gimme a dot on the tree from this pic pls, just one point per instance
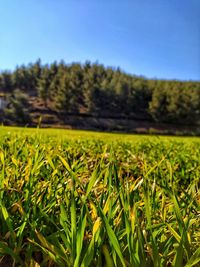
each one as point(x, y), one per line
point(43, 85)
point(6, 84)
point(17, 108)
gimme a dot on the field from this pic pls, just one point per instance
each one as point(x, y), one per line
point(75, 198)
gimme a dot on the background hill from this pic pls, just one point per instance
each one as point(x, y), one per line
point(92, 96)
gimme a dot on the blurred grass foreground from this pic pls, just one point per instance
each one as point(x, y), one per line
point(77, 198)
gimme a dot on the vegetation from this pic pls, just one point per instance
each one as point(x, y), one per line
point(103, 200)
point(17, 109)
point(99, 91)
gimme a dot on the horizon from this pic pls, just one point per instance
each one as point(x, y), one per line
point(159, 40)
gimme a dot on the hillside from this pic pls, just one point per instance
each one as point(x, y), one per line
point(91, 96)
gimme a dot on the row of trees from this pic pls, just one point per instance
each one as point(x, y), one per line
point(94, 89)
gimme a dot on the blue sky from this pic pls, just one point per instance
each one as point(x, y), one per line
point(154, 38)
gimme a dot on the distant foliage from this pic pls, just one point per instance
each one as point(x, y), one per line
point(94, 89)
point(17, 108)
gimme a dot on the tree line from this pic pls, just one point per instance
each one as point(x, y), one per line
point(91, 88)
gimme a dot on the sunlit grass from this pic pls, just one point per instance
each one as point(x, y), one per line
point(83, 134)
point(78, 198)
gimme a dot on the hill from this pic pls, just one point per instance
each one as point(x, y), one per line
point(91, 96)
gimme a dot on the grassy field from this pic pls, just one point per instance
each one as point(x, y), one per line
point(78, 198)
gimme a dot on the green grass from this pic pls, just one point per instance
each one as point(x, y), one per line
point(82, 134)
point(78, 198)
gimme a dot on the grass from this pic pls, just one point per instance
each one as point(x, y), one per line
point(82, 134)
point(77, 198)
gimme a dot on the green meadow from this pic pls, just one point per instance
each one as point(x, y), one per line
point(80, 198)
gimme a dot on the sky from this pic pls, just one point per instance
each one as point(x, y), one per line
point(152, 38)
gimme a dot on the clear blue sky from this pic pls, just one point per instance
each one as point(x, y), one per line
point(154, 38)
